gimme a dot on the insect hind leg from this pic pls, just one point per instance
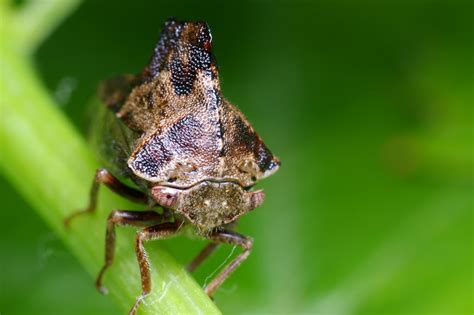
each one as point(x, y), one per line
point(232, 238)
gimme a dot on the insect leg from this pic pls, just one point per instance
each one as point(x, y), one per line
point(203, 254)
point(103, 176)
point(120, 217)
point(232, 238)
point(155, 232)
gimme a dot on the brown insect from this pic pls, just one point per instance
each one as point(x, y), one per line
point(188, 150)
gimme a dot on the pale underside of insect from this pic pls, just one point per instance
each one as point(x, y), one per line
point(188, 150)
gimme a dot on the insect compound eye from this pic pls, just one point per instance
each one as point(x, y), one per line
point(165, 196)
point(256, 198)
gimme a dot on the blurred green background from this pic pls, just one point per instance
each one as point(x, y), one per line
point(369, 105)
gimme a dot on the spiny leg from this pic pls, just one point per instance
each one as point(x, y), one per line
point(232, 238)
point(203, 254)
point(121, 217)
point(206, 251)
point(103, 176)
point(160, 231)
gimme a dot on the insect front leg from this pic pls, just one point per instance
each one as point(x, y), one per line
point(103, 176)
point(203, 254)
point(232, 238)
point(121, 217)
point(160, 231)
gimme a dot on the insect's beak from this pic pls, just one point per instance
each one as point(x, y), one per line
point(256, 198)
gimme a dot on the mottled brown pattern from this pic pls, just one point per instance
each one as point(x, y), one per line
point(190, 133)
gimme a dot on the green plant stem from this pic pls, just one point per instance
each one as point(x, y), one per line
point(50, 165)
